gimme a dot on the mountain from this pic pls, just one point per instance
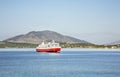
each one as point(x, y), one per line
point(36, 37)
point(115, 43)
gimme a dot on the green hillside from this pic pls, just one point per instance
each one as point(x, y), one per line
point(63, 45)
point(16, 45)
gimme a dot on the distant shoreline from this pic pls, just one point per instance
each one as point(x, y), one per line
point(63, 45)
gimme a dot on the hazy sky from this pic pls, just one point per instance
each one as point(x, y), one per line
point(96, 21)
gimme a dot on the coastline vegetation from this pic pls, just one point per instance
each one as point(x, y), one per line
point(16, 45)
point(63, 45)
point(87, 45)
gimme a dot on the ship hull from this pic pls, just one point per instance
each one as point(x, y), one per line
point(50, 50)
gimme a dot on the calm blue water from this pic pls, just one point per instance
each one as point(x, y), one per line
point(68, 63)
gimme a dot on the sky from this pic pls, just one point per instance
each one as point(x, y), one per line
point(95, 21)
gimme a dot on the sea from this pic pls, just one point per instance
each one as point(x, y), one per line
point(68, 63)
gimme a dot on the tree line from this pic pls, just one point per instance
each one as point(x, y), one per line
point(63, 45)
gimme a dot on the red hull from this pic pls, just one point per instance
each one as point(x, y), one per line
point(57, 50)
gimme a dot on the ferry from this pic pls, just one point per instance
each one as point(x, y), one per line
point(51, 47)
